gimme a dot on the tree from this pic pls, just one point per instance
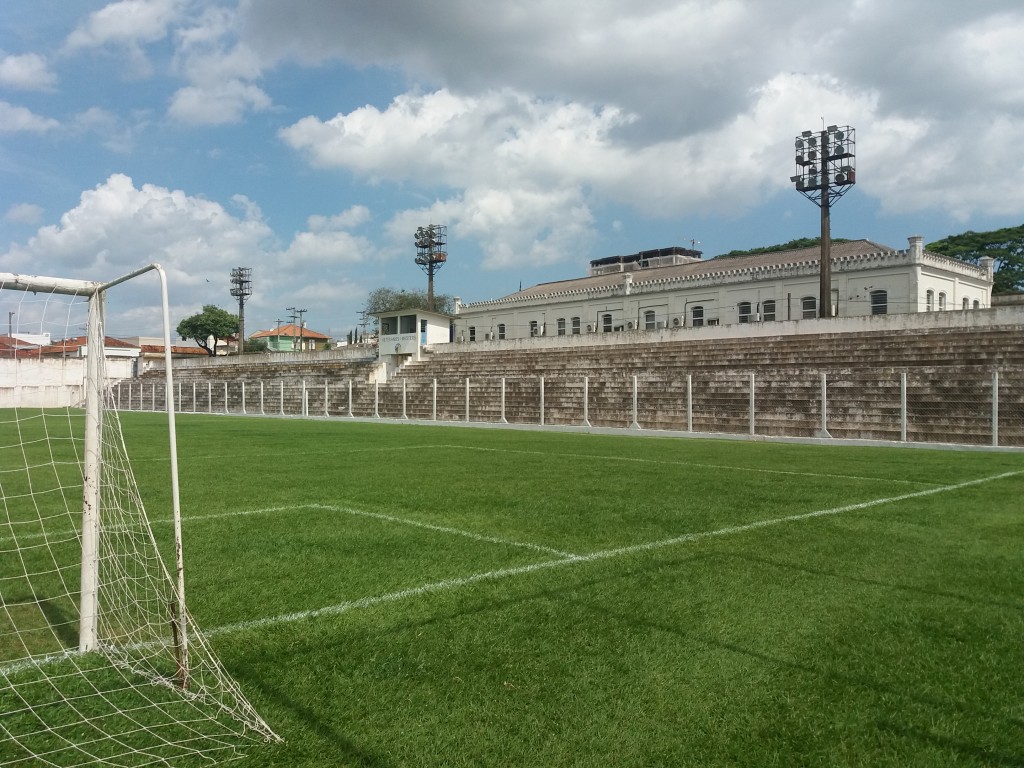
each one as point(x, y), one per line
point(792, 245)
point(388, 300)
point(256, 345)
point(212, 323)
point(1006, 246)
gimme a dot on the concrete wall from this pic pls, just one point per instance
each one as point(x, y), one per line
point(51, 382)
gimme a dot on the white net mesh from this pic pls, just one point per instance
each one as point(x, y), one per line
point(152, 692)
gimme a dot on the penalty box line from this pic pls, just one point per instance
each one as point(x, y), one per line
point(606, 554)
point(388, 519)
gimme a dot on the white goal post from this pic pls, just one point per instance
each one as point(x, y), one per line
point(137, 683)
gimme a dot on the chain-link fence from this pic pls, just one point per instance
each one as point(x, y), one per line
point(957, 405)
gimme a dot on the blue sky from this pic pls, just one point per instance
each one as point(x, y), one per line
point(308, 139)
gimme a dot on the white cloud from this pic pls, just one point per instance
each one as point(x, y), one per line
point(27, 72)
point(116, 227)
point(128, 23)
point(15, 119)
point(217, 104)
point(24, 213)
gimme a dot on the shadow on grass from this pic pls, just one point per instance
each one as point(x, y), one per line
point(977, 752)
point(970, 599)
point(343, 750)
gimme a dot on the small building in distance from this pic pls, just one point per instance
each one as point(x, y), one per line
point(292, 338)
point(676, 288)
point(402, 333)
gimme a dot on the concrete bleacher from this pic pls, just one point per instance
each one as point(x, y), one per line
point(678, 381)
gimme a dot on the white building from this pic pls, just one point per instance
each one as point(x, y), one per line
point(674, 287)
point(402, 333)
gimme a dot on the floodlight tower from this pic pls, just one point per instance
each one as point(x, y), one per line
point(431, 254)
point(825, 170)
point(241, 289)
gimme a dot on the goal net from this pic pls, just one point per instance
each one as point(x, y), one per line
point(100, 661)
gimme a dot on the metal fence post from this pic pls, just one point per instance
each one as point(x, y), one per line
point(404, 413)
point(542, 401)
point(467, 399)
point(262, 412)
point(586, 401)
point(503, 419)
point(376, 399)
point(433, 403)
point(243, 397)
point(225, 397)
point(689, 402)
point(903, 407)
point(350, 398)
point(636, 423)
point(995, 408)
point(751, 417)
point(823, 432)
point(282, 397)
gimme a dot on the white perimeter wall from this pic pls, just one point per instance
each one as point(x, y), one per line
point(51, 383)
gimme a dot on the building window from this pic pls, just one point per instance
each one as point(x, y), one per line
point(879, 302)
point(967, 303)
point(501, 330)
point(743, 311)
point(809, 307)
point(649, 322)
point(560, 325)
point(942, 301)
point(977, 304)
point(768, 310)
point(575, 325)
point(697, 316)
point(533, 328)
point(472, 333)
point(606, 323)
point(929, 300)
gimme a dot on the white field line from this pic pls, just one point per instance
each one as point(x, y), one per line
point(504, 573)
point(637, 460)
point(444, 529)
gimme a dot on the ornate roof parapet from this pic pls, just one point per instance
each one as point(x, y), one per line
point(701, 274)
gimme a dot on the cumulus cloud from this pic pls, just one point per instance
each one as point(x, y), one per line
point(217, 104)
point(117, 226)
point(27, 72)
point(128, 23)
point(15, 119)
point(24, 213)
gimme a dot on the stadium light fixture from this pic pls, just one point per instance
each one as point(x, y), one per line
point(825, 171)
point(431, 254)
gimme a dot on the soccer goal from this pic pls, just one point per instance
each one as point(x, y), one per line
point(100, 660)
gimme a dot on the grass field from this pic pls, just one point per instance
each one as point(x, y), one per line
point(416, 595)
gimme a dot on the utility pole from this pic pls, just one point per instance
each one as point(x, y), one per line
point(241, 289)
point(297, 315)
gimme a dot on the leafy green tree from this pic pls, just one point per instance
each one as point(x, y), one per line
point(208, 327)
point(256, 345)
point(792, 245)
point(1005, 246)
point(388, 300)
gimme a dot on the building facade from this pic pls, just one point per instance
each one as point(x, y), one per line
point(674, 287)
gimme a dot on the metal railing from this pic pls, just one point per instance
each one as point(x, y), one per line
point(956, 405)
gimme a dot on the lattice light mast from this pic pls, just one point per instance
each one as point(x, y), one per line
point(241, 289)
point(825, 170)
point(431, 254)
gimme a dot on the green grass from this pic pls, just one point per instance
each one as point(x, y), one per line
point(420, 596)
